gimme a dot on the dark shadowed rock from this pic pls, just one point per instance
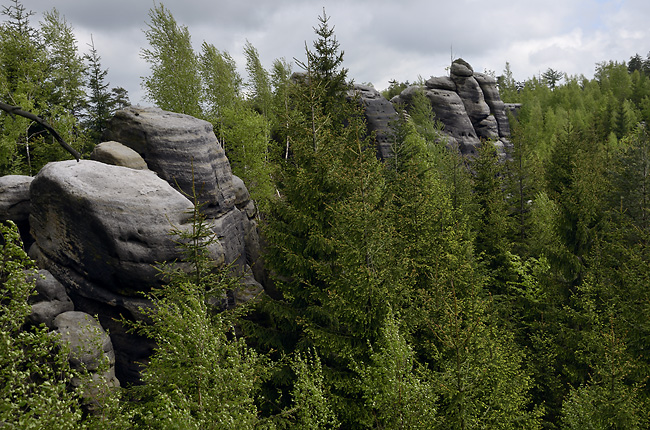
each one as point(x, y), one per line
point(118, 155)
point(491, 93)
point(379, 114)
point(182, 149)
point(50, 299)
point(513, 109)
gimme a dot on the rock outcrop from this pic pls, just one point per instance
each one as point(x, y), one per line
point(467, 104)
point(118, 155)
point(379, 114)
point(91, 351)
point(90, 347)
point(100, 229)
point(101, 226)
point(14, 203)
point(50, 299)
point(181, 149)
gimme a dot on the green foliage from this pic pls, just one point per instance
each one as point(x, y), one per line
point(221, 84)
point(311, 406)
point(175, 82)
point(480, 378)
point(102, 103)
point(606, 401)
point(399, 392)
point(394, 89)
point(492, 242)
point(201, 374)
point(35, 375)
point(65, 74)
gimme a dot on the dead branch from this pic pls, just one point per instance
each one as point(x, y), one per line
point(16, 110)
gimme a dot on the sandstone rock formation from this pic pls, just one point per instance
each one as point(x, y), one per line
point(14, 203)
point(50, 300)
point(468, 105)
point(181, 149)
point(379, 114)
point(118, 155)
point(100, 227)
point(91, 351)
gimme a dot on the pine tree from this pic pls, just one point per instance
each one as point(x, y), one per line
point(65, 80)
point(98, 105)
point(492, 230)
point(324, 231)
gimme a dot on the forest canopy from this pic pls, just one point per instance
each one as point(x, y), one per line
point(424, 291)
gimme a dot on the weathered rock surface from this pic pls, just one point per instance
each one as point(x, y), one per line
point(118, 155)
point(379, 114)
point(107, 224)
point(14, 203)
point(100, 228)
point(50, 300)
point(491, 93)
point(181, 149)
point(14, 197)
point(467, 104)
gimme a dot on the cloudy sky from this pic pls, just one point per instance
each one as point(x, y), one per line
point(382, 39)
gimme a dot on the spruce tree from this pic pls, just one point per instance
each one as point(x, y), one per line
point(324, 230)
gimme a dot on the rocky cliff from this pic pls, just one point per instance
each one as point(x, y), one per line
point(467, 104)
point(98, 227)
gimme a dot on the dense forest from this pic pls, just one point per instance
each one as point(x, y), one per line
point(424, 291)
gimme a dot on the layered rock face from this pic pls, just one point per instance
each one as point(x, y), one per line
point(99, 227)
point(468, 105)
point(379, 114)
point(181, 149)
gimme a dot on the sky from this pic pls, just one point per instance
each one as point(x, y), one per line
point(381, 39)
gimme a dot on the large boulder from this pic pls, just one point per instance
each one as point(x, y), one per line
point(100, 229)
point(181, 149)
point(107, 224)
point(118, 155)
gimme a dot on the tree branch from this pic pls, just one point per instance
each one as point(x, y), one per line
point(16, 110)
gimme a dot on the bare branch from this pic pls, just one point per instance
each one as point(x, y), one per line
point(16, 110)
